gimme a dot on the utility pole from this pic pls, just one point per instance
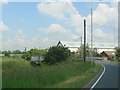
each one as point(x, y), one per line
point(81, 48)
point(81, 40)
point(84, 40)
point(91, 31)
point(25, 49)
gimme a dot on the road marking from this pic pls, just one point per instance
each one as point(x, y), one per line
point(98, 78)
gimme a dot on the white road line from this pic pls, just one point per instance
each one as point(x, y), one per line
point(98, 78)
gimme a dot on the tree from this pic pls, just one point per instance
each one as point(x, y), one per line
point(6, 53)
point(16, 52)
point(56, 54)
point(88, 52)
point(0, 52)
point(27, 55)
point(117, 53)
point(81, 50)
point(96, 54)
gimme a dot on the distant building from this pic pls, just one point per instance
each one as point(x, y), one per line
point(71, 48)
point(107, 55)
point(74, 46)
point(100, 50)
point(60, 44)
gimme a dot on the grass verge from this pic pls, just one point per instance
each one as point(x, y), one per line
point(18, 73)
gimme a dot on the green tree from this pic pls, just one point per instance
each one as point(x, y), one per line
point(16, 52)
point(0, 52)
point(96, 54)
point(81, 50)
point(56, 54)
point(117, 53)
point(28, 54)
point(6, 53)
point(88, 53)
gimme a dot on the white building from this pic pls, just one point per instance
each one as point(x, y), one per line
point(73, 46)
point(100, 50)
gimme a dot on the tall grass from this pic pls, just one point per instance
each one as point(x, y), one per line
point(18, 73)
point(0, 72)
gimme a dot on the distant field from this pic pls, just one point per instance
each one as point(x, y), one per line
point(18, 73)
point(1, 54)
point(11, 54)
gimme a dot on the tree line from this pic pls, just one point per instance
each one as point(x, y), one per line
point(54, 54)
point(8, 52)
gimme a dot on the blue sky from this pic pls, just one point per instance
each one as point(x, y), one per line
point(41, 24)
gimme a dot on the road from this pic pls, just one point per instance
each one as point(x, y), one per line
point(110, 77)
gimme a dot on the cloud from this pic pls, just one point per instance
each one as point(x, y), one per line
point(3, 1)
point(59, 32)
point(105, 17)
point(56, 28)
point(56, 10)
point(75, 37)
point(3, 26)
point(100, 36)
point(104, 14)
point(99, 33)
point(20, 40)
point(76, 20)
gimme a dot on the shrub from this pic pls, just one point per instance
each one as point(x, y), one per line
point(7, 54)
point(27, 55)
point(56, 54)
point(15, 56)
point(117, 53)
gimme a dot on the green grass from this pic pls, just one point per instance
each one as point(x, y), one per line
point(18, 73)
point(0, 72)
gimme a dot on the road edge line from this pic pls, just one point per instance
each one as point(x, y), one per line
point(104, 69)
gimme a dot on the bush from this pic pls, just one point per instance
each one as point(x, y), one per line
point(27, 55)
point(15, 56)
point(7, 54)
point(117, 53)
point(56, 54)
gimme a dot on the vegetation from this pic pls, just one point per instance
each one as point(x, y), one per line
point(66, 71)
point(16, 52)
point(117, 53)
point(28, 54)
point(57, 54)
point(6, 53)
point(81, 51)
point(18, 73)
point(96, 54)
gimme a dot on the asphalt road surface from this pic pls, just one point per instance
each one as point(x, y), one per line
point(110, 78)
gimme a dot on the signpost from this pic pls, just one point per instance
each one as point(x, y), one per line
point(84, 40)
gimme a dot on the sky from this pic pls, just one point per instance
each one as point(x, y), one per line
point(43, 24)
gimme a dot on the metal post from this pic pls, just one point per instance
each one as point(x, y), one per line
point(25, 49)
point(91, 31)
point(114, 41)
point(84, 40)
point(81, 48)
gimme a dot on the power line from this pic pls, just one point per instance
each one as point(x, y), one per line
point(70, 7)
